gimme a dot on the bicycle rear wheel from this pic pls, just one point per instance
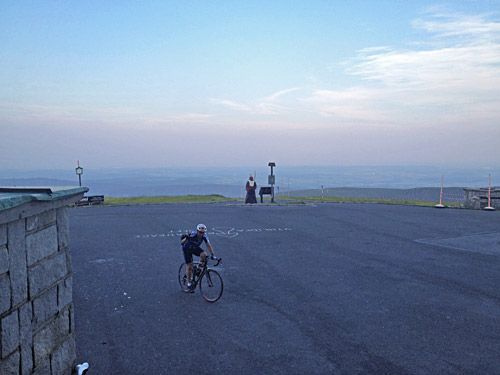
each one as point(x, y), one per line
point(182, 277)
point(211, 286)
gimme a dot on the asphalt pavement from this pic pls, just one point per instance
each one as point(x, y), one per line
point(308, 289)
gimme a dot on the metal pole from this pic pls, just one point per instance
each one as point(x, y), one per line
point(440, 204)
point(271, 180)
point(272, 186)
point(489, 208)
point(489, 190)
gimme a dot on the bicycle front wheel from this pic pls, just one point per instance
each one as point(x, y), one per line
point(182, 277)
point(211, 286)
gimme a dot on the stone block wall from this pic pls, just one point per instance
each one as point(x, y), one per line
point(478, 198)
point(36, 309)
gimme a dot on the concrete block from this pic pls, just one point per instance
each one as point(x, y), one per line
point(3, 234)
point(63, 359)
point(41, 244)
point(65, 293)
point(69, 261)
point(26, 338)
point(45, 307)
point(47, 273)
point(10, 365)
point(62, 228)
point(5, 296)
point(50, 336)
point(72, 319)
point(41, 220)
point(4, 260)
point(9, 334)
point(43, 368)
point(16, 247)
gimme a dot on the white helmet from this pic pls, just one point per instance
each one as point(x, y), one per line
point(201, 228)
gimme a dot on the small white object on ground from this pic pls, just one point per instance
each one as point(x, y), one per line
point(82, 368)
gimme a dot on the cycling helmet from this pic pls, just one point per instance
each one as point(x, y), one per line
point(201, 228)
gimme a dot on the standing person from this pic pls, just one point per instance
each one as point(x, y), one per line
point(191, 246)
point(251, 187)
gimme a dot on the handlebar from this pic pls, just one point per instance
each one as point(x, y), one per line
point(206, 262)
point(218, 261)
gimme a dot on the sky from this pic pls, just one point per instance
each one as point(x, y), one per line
point(120, 84)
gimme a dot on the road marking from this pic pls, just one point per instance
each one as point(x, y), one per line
point(101, 261)
point(485, 243)
point(227, 232)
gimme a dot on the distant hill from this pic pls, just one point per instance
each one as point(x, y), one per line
point(428, 194)
point(147, 187)
point(412, 183)
point(36, 182)
point(132, 188)
point(122, 189)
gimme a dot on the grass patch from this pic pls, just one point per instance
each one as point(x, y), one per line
point(405, 202)
point(213, 198)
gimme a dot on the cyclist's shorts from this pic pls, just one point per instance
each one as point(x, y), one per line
point(189, 251)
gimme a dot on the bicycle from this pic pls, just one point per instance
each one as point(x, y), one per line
point(209, 280)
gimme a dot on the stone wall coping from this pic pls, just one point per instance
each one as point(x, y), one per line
point(11, 197)
point(17, 203)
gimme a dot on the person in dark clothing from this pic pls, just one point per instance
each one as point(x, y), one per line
point(251, 187)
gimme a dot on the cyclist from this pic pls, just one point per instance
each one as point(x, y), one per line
point(191, 245)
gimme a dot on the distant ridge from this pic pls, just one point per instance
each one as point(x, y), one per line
point(36, 182)
point(396, 182)
point(121, 188)
point(132, 188)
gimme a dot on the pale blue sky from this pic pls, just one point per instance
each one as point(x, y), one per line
point(228, 83)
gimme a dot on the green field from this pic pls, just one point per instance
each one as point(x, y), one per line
point(214, 198)
point(406, 202)
point(110, 201)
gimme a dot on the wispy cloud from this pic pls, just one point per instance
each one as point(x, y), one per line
point(445, 23)
point(457, 69)
point(355, 104)
point(269, 105)
point(232, 104)
point(274, 104)
point(279, 93)
point(186, 117)
point(452, 74)
point(128, 117)
point(65, 114)
point(473, 53)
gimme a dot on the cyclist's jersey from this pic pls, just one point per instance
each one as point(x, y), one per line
point(194, 240)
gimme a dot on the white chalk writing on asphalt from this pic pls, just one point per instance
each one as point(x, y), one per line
point(227, 232)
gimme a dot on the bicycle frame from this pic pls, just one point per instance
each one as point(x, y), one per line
point(208, 280)
point(204, 268)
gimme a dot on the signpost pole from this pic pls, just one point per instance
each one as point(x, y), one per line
point(271, 180)
point(79, 172)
